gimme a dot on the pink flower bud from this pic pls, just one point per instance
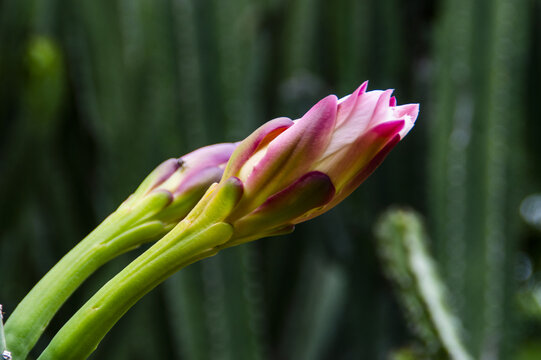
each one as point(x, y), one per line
point(303, 168)
point(182, 182)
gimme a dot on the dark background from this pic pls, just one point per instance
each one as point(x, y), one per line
point(95, 93)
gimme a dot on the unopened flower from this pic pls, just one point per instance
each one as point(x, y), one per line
point(284, 173)
point(178, 184)
point(292, 171)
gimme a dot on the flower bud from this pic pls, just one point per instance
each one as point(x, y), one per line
point(178, 184)
point(295, 170)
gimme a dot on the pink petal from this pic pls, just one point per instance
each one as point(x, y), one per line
point(343, 164)
point(347, 104)
point(250, 145)
point(382, 112)
point(212, 155)
point(356, 180)
point(201, 178)
point(310, 191)
point(370, 167)
point(164, 171)
point(292, 152)
point(409, 113)
point(350, 128)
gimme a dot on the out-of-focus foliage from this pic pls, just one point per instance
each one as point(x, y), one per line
point(95, 93)
point(408, 264)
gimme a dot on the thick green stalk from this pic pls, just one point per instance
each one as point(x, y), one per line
point(194, 238)
point(121, 231)
point(402, 245)
point(180, 247)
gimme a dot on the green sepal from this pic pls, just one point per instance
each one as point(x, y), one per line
point(136, 236)
point(156, 177)
point(204, 241)
point(219, 202)
point(150, 205)
point(181, 205)
point(281, 230)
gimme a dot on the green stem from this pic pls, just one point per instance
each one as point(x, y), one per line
point(123, 230)
point(180, 247)
point(402, 242)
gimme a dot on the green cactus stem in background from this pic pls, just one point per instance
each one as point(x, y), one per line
point(402, 247)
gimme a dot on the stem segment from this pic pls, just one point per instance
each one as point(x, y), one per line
point(123, 230)
point(180, 247)
point(194, 238)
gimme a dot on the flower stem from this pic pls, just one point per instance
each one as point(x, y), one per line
point(182, 246)
point(123, 230)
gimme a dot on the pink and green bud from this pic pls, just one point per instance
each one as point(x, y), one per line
point(176, 185)
point(294, 170)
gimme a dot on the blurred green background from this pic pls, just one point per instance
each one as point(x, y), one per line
point(95, 93)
